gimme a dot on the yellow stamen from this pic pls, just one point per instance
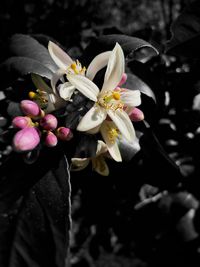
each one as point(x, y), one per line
point(83, 70)
point(113, 133)
point(116, 95)
point(107, 98)
point(77, 68)
point(74, 68)
point(40, 97)
point(111, 100)
point(32, 95)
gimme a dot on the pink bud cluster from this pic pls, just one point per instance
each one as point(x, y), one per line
point(35, 127)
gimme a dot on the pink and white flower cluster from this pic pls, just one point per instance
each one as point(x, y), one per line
point(112, 113)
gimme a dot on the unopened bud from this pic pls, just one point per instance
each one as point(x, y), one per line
point(26, 139)
point(49, 122)
point(22, 122)
point(64, 134)
point(123, 79)
point(136, 115)
point(51, 140)
point(30, 108)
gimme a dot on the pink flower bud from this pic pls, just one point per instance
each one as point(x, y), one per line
point(26, 139)
point(123, 79)
point(51, 140)
point(22, 122)
point(30, 108)
point(49, 122)
point(64, 134)
point(136, 115)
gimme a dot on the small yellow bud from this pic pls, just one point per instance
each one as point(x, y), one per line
point(32, 95)
point(116, 95)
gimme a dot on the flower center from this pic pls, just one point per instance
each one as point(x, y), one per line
point(76, 68)
point(111, 100)
point(113, 134)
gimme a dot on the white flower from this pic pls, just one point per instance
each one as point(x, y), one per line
point(112, 102)
point(98, 163)
point(78, 77)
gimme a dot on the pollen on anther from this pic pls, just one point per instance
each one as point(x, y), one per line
point(116, 95)
point(74, 67)
point(32, 95)
point(113, 134)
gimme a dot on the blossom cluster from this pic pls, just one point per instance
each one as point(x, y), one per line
point(110, 116)
point(36, 126)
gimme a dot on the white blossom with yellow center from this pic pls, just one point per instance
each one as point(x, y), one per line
point(78, 77)
point(98, 162)
point(112, 102)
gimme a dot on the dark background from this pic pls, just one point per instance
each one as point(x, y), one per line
point(109, 227)
point(73, 23)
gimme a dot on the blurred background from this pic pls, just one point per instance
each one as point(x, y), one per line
point(74, 22)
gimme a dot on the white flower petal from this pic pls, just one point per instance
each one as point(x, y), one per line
point(98, 63)
point(66, 90)
point(123, 123)
point(61, 58)
point(115, 69)
point(94, 130)
point(94, 117)
point(112, 146)
point(84, 85)
point(56, 77)
point(79, 164)
point(101, 148)
point(131, 98)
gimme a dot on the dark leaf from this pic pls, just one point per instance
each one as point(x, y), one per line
point(133, 82)
point(25, 46)
point(147, 81)
point(3, 121)
point(86, 146)
point(130, 46)
point(185, 39)
point(43, 39)
point(127, 149)
point(185, 227)
point(14, 110)
point(34, 211)
point(164, 172)
point(151, 85)
point(16, 67)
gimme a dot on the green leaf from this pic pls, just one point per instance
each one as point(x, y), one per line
point(185, 30)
